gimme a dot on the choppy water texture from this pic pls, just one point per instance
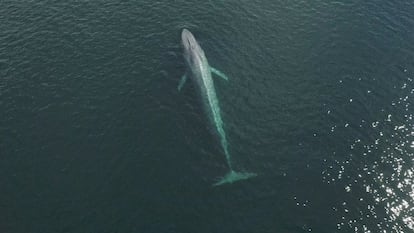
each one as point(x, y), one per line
point(94, 136)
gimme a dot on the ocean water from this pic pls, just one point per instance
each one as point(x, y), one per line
point(95, 137)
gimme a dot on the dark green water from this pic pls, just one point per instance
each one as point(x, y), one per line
point(94, 136)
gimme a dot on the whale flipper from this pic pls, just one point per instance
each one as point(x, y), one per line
point(219, 73)
point(182, 82)
point(233, 176)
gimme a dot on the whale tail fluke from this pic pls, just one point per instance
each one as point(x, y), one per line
point(233, 176)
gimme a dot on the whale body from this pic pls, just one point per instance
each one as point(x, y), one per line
point(201, 73)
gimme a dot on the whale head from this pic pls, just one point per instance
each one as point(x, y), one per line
point(192, 50)
point(188, 40)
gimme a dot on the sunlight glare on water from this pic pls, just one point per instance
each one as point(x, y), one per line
point(382, 164)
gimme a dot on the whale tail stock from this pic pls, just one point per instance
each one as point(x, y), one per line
point(233, 176)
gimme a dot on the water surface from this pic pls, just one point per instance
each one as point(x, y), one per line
point(94, 136)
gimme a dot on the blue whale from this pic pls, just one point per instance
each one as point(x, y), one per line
point(201, 73)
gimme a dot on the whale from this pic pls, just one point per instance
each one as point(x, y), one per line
point(200, 73)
